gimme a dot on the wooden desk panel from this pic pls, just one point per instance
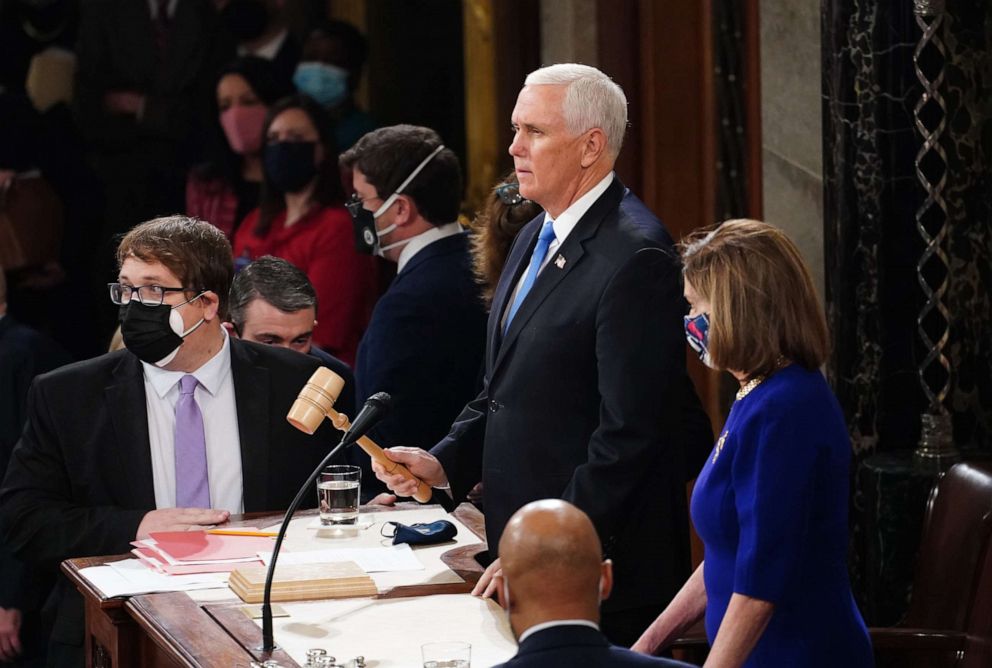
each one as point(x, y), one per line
point(171, 629)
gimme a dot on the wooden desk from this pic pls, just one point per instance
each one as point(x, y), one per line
point(172, 629)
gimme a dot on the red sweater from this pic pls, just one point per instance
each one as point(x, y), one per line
point(322, 245)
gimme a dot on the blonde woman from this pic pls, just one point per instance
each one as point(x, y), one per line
point(771, 501)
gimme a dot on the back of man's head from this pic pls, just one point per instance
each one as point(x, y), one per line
point(273, 280)
point(592, 100)
point(552, 561)
point(387, 156)
point(195, 251)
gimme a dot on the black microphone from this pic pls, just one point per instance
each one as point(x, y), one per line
point(375, 409)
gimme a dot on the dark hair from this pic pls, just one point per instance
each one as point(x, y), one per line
point(356, 46)
point(222, 162)
point(328, 188)
point(494, 229)
point(272, 280)
point(387, 156)
point(763, 305)
point(194, 250)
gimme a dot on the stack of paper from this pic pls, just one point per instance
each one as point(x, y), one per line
point(188, 552)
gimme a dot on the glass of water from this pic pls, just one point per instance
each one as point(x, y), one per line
point(447, 654)
point(338, 490)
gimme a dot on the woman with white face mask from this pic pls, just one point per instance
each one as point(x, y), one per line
point(301, 218)
point(226, 187)
point(770, 504)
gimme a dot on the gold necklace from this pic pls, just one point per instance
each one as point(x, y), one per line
point(749, 386)
point(745, 390)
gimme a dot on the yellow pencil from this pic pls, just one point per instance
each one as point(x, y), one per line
point(236, 532)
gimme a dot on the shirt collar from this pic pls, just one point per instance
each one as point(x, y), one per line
point(211, 375)
point(424, 239)
point(268, 50)
point(170, 8)
point(558, 622)
point(570, 217)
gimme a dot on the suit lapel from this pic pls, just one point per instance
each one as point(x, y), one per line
point(128, 410)
point(563, 262)
point(517, 261)
point(251, 397)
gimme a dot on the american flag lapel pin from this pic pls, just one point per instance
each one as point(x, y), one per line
point(560, 261)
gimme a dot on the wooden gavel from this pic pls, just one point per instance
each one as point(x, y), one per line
point(316, 401)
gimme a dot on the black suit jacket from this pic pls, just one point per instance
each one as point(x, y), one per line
point(80, 479)
point(585, 396)
point(424, 346)
point(577, 645)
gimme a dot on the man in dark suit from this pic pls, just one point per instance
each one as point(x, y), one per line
point(554, 578)
point(424, 344)
point(273, 302)
point(586, 395)
point(24, 353)
point(178, 431)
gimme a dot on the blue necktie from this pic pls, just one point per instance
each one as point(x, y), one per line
point(544, 240)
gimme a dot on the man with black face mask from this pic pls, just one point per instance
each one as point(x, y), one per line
point(178, 431)
point(425, 340)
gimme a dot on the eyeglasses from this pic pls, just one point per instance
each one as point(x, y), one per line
point(509, 194)
point(149, 295)
point(355, 204)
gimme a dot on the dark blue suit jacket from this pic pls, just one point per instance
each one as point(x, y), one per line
point(424, 347)
point(586, 396)
point(577, 645)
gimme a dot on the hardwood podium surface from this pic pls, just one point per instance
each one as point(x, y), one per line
point(172, 629)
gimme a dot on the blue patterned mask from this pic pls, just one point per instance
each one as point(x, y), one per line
point(327, 84)
point(697, 330)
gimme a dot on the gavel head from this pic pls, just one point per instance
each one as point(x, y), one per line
point(316, 400)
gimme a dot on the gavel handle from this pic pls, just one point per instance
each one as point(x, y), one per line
point(342, 423)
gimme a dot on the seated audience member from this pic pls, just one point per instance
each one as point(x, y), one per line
point(24, 354)
point(224, 189)
point(301, 218)
point(259, 28)
point(771, 502)
point(494, 230)
point(554, 578)
point(178, 431)
point(330, 70)
point(272, 302)
point(425, 341)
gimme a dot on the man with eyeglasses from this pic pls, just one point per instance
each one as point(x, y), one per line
point(425, 340)
point(176, 432)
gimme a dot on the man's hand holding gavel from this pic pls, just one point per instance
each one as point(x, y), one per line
point(421, 463)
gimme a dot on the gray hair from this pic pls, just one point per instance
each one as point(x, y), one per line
point(273, 280)
point(592, 100)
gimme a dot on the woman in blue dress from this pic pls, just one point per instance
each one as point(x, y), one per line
point(771, 501)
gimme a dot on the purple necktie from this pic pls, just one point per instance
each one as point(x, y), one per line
point(192, 485)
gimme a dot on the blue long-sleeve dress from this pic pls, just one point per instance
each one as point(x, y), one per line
point(771, 508)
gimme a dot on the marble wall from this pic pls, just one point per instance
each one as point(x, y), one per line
point(792, 166)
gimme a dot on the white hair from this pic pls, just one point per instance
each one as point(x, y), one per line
point(592, 100)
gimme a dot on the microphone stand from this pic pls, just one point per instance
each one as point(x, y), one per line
point(268, 642)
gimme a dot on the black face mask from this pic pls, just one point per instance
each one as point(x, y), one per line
point(289, 164)
point(150, 331)
point(245, 19)
point(363, 224)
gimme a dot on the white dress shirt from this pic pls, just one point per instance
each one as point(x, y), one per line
point(563, 226)
point(215, 397)
point(559, 622)
point(425, 239)
point(267, 51)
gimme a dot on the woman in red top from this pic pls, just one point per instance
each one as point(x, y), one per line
point(301, 218)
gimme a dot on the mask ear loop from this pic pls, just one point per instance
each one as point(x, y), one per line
point(399, 191)
point(382, 530)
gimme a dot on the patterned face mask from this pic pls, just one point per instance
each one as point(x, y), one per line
point(697, 329)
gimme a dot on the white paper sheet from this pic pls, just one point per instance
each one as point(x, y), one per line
point(370, 559)
point(130, 577)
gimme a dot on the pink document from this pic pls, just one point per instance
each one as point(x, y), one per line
point(201, 546)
